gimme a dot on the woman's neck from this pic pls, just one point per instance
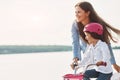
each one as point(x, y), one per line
point(86, 21)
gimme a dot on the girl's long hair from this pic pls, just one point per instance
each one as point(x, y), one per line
point(93, 16)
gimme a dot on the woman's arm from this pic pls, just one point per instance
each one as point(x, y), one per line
point(112, 60)
point(75, 41)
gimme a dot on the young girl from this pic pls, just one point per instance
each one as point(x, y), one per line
point(97, 52)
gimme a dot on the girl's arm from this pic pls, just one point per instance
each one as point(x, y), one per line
point(105, 52)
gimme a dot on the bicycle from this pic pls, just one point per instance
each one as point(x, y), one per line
point(80, 76)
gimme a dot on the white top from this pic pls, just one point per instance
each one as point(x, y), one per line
point(94, 54)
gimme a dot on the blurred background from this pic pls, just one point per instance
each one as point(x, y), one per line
point(46, 22)
point(42, 29)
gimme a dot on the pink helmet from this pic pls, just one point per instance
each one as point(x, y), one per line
point(94, 27)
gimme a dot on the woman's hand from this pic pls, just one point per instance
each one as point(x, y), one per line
point(116, 67)
point(73, 65)
point(75, 60)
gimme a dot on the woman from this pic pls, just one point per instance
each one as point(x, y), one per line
point(97, 53)
point(85, 14)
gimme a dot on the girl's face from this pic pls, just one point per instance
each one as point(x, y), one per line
point(89, 38)
point(81, 15)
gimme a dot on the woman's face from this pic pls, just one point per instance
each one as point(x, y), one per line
point(81, 15)
point(88, 37)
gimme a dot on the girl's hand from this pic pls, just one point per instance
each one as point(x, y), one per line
point(101, 63)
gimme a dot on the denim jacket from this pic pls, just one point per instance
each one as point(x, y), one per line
point(78, 45)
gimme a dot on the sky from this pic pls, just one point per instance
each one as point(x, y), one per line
point(46, 22)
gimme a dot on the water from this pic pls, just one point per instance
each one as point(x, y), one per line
point(38, 66)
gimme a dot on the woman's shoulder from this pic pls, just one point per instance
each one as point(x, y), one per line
point(74, 24)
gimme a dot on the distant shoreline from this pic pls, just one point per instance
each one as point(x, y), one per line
point(13, 49)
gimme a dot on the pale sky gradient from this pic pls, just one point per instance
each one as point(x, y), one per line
point(46, 22)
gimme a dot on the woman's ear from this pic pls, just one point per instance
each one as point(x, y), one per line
point(88, 13)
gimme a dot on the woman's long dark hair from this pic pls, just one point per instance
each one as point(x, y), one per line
point(93, 16)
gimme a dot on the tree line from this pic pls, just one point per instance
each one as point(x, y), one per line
point(11, 49)
point(7, 49)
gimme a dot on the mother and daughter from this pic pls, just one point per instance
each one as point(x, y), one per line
point(91, 34)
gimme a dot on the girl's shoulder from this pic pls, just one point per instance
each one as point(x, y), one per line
point(103, 45)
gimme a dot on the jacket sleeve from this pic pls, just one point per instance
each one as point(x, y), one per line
point(112, 59)
point(75, 41)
